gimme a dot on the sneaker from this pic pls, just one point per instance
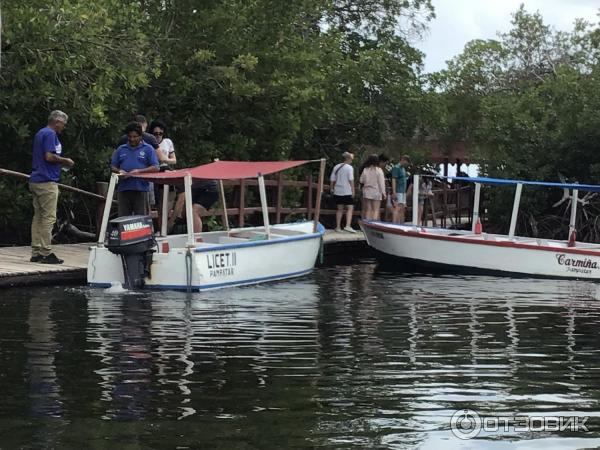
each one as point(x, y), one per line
point(36, 258)
point(350, 230)
point(51, 259)
point(338, 230)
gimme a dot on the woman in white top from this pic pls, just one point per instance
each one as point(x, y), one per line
point(373, 182)
point(166, 149)
point(166, 157)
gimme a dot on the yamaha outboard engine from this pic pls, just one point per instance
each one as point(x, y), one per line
point(132, 237)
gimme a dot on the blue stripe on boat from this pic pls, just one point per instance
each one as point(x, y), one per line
point(218, 285)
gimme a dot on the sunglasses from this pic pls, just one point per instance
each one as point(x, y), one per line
point(158, 133)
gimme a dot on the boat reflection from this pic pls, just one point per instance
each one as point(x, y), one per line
point(350, 356)
point(166, 355)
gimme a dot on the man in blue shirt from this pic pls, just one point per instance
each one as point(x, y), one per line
point(46, 165)
point(399, 179)
point(129, 159)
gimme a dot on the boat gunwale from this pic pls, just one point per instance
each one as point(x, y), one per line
point(467, 240)
point(278, 240)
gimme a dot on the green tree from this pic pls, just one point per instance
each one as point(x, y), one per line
point(529, 105)
point(235, 79)
point(86, 58)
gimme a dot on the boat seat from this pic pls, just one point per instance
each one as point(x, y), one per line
point(231, 240)
point(258, 237)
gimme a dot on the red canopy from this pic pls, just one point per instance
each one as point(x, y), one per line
point(222, 170)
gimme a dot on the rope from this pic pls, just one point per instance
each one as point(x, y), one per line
point(188, 269)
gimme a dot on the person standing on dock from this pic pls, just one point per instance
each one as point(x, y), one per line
point(43, 185)
point(342, 188)
point(166, 149)
point(166, 158)
point(399, 179)
point(384, 163)
point(373, 182)
point(134, 157)
point(148, 139)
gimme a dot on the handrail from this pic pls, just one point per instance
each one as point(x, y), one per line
point(65, 187)
point(279, 183)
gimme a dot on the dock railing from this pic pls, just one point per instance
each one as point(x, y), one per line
point(449, 203)
point(449, 206)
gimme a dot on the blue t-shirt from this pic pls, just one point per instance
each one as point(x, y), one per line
point(399, 173)
point(42, 171)
point(129, 158)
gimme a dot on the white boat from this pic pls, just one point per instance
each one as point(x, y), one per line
point(472, 251)
point(129, 253)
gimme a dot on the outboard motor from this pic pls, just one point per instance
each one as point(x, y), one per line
point(132, 237)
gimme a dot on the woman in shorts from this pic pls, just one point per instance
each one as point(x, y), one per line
point(373, 183)
point(342, 187)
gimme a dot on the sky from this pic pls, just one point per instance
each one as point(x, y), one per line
point(460, 21)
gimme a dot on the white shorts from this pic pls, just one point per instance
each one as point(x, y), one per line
point(401, 199)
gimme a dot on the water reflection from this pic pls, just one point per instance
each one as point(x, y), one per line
point(352, 356)
point(44, 391)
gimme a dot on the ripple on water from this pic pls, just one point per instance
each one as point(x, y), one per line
point(351, 356)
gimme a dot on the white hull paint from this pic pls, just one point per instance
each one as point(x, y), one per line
point(470, 252)
point(222, 259)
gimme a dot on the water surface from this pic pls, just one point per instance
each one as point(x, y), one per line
point(352, 356)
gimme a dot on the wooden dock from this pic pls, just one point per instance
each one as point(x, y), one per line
point(16, 270)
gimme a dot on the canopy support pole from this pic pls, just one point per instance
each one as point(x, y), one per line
point(189, 211)
point(319, 194)
point(415, 201)
point(165, 211)
point(114, 179)
point(476, 206)
point(515, 211)
point(573, 212)
point(223, 205)
point(263, 204)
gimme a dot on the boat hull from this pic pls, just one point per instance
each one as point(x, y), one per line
point(214, 266)
point(462, 252)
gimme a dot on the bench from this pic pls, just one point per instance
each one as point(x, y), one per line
point(231, 240)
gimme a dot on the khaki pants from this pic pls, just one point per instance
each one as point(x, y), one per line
point(45, 200)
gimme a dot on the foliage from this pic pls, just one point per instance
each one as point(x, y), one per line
point(236, 79)
point(529, 104)
point(86, 58)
